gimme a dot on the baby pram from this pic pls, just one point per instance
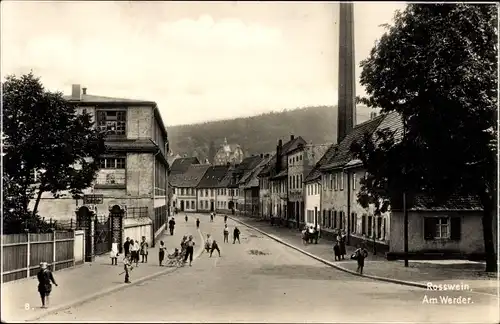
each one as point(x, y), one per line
point(176, 259)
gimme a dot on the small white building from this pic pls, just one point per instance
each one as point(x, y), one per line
point(185, 187)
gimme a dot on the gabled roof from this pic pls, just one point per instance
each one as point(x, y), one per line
point(253, 180)
point(181, 165)
point(247, 167)
point(344, 154)
point(226, 180)
point(266, 170)
point(213, 176)
point(289, 146)
point(315, 172)
point(191, 178)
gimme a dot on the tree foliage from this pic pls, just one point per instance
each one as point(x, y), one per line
point(44, 133)
point(436, 66)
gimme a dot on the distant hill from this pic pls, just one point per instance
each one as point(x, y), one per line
point(259, 134)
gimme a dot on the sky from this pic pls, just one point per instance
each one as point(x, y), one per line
point(199, 61)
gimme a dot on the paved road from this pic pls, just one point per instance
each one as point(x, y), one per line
point(282, 285)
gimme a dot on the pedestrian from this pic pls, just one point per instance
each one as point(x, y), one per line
point(197, 223)
point(189, 249)
point(336, 251)
point(183, 244)
point(226, 234)
point(236, 235)
point(186, 217)
point(225, 219)
point(137, 245)
point(144, 249)
point(134, 252)
point(360, 255)
point(126, 246)
point(208, 243)
point(214, 247)
point(113, 254)
point(45, 280)
point(211, 217)
point(343, 251)
point(171, 225)
point(127, 267)
point(161, 252)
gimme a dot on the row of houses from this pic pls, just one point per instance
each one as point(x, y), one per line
point(301, 183)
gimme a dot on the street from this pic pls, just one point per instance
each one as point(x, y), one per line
point(261, 280)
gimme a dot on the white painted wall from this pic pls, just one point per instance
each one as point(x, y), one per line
point(136, 228)
point(79, 247)
point(312, 200)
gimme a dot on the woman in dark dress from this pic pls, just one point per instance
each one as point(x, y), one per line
point(45, 280)
point(342, 245)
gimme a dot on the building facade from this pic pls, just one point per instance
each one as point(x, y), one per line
point(133, 172)
point(266, 205)
point(208, 188)
point(185, 187)
point(228, 153)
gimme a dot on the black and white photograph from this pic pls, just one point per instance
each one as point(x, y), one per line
point(249, 162)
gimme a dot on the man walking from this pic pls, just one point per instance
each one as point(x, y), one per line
point(189, 250)
point(225, 219)
point(171, 225)
point(197, 223)
point(45, 278)
point(226, 234)
point(236, 235)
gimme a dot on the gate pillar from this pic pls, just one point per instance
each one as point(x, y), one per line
point(117, 229)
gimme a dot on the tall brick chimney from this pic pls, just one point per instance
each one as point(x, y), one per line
point(292, 137)
point(347, 87)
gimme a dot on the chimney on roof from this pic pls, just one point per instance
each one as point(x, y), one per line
point(267, 155)
point(261, 155)
point(76, 93)
point(84, 91)
point(292, 137)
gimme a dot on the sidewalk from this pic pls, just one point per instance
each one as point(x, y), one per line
point(21, 301)
point(455, 272)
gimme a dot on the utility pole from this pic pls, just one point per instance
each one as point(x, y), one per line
point(405, 207)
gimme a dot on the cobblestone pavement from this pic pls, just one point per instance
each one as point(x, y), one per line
point(471, 273)
point(261, 280)
point(20, 299)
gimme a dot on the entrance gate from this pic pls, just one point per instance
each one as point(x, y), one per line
point(102, 243)
point(116, 214)
point(84, 221)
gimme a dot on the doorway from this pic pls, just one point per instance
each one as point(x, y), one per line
point(212, 206)
point(182, 205)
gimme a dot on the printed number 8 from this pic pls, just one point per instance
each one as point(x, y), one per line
point(26, 306)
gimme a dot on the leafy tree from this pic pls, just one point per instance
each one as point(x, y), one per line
point(436, 66)
point(43, 133)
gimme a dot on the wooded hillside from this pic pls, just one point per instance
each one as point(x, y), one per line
point(259, 134)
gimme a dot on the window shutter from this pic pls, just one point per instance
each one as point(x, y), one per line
point(456, 228)
point(429, 228)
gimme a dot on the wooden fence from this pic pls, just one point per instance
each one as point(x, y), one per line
point(22, 253)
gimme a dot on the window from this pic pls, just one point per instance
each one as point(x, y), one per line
point(290, 182)
point(442, 228)
point(353, 223)
point(206, 204)
point(354, 181)
point(113, 122)
point(112, 163)
point(331, 182)
point(334, 220)
point(341, 175)
point(206, 192)
point(383, 229)
point(173, 190)
point(363, 224)
point(300, 181)
point(201, 193)
point(193, 205)
point(379, 228)
point(335, 182)
point(370, 226)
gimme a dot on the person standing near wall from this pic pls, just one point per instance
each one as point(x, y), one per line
point(189, 249)
point(144, 249)
point(113, 254)
point(161, 252)
point(126, 246)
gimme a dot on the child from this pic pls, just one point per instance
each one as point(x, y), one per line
point(144, 250)
point(114, 253)
point(336, 251)
point(127, 266)
point(360, 254)
point(161, 252)
point(186, 217)
point(225, 219)
point(226, 234)
point(208, 243)
point(211, 217)
point(197, 223)
point(214, 247)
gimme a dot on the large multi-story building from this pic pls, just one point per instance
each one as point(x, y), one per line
point(228, 153)
point(301, 161)
point(178, 166)
point(133, 172)
point(265, 188)
point(227, 191)
point(249, 184)
point(279, 180)
point(242, 174)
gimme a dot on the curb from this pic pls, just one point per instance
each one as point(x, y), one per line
point(113, 289)
point(331, 264)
